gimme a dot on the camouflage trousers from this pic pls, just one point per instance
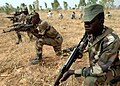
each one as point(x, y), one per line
point(102, 80)
point(20, 38)
point(56, 43)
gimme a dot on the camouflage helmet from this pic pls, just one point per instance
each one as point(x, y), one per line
point(91, 11)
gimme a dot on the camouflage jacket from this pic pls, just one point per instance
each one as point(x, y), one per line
point(22, 18)
point(48, 31)
point(103, 51)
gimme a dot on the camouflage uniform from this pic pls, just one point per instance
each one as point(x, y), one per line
point(47, 36)
point(103, 55)
point(25, 19)
point(22, 18)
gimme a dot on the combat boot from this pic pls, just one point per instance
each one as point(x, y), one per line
point(37, 59)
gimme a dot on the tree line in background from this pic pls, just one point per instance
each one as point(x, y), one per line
point(8, 8)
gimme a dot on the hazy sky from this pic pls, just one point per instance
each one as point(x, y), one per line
point(71, 3)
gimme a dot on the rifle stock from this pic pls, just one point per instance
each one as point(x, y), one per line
point(72, 58)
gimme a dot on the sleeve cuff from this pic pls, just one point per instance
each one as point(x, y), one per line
point(79, 71)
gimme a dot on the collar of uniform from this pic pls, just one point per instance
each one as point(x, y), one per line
point(104, 34)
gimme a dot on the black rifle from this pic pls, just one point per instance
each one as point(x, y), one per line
point(78, 50)
point(11, 18)
point(19, 27)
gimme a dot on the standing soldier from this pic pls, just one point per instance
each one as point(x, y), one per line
point(49, 15)
point(73, 15)
point(47, 35)
point(60, 15)
point(21, 19)
point(103, 47)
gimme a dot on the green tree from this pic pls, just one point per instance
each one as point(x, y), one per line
point(94, 1)
point(23, 6)
point(41, 8)
point(65, 5)
point(107, 4)
point(91, 1)
point(81, 3)
point(33, 7)
point(8, 8)
point(36, 5)
point(52, 4)
point(45, 5)
point(17, 9)
point(111, 3)
point(75, 6)
point(2, 9)
point(55, 5)
point(102, 2)
point(30, 7)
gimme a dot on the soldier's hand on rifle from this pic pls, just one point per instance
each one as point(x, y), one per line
point(66, 75)
point(85, 71)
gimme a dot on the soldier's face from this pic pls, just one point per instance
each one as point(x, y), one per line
point(93, 26)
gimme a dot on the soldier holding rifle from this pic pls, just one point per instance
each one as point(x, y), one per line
point(103, 47)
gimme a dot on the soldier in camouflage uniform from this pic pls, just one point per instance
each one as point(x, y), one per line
point(103, 47)
point(23, 18)
point(47, 35)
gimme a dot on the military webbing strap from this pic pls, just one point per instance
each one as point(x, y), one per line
point(108, 31)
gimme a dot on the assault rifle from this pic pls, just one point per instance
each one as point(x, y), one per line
point(19, 27)
point(78, 50)
point(13, 19)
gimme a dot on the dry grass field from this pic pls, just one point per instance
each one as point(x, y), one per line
point(15, 67)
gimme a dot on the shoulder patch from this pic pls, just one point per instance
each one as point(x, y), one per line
point(110, 38)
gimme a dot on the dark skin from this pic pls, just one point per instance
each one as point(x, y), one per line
point(94, 27)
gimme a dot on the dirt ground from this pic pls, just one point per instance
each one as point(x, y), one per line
point(15, 67)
